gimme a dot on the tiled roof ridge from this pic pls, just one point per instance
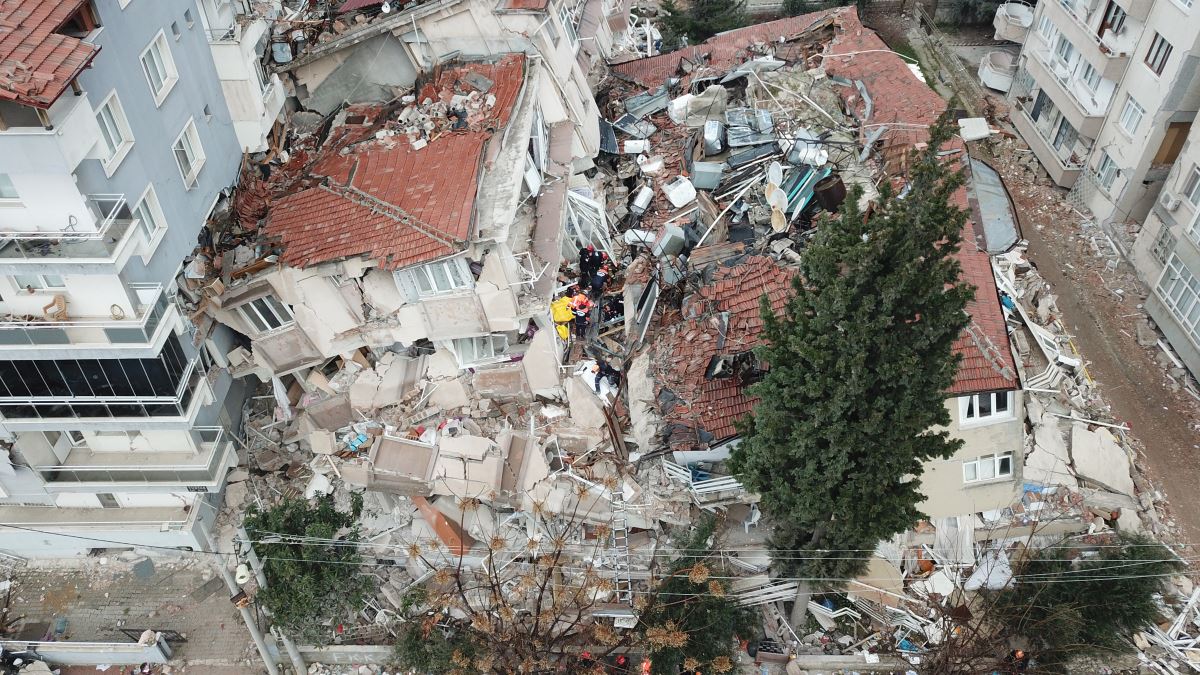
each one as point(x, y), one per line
point(989, 349)
point(367, 200)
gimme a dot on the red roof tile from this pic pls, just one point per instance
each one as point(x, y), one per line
point(524, 5)
point(351, 5)
point(683, 354)
point(897, 96)
point(36, 63)
point(375, 185)
point(722, 51)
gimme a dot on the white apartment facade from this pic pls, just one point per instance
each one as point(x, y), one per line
point(1105, 95)
point(116, 422)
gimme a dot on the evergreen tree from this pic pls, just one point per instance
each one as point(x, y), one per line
point(699, 20)
point(309, 586)
point(860, 362)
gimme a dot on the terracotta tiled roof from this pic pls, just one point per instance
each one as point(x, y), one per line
point(37, 64)
point(527, 5)
point(723, 51)
point(898, 96)
point(375, 185)
point(683, 354)
point(351, 5)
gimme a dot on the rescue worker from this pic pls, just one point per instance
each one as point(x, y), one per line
point(581, 305)
point(602, 370)
point(599, 279)
point(589, 262)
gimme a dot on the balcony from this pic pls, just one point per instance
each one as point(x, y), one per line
point(1083, 109)
point(137, 336)
point(1111, 53)
point(202, 465)
point(108, 246)
point(1063, 164)
point(54, 140)
point(34, 413)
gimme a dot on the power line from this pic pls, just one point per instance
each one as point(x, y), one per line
point(113, 542)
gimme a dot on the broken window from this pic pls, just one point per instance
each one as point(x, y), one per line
point(1179, 289)
point(586, 224)
point(988, 467)
point(476, 350)
point(265, 314)
point(435, 278)
point(993, 405)
point(1164, 244)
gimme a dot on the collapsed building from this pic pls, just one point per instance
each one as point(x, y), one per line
point(393, 264)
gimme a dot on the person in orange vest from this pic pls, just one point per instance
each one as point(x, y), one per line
point(581, 304)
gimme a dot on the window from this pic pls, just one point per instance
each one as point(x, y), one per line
point(207, 113)
point(1191, 187)
point(1046, 28)
point(8, 191)
point(159, 68)
point(40, 282)
point(189, 154)
point(1106, 171)
point(265, 314)
point(175, 30)
point(1090, 77)
point(1131, 115)
point(1114, 19)
point(1160, 51)
point(988, 467)
point(989, 406)
point(187, 16)
point(1164, 244)
point(1065, 136)
point(443, 276)
point(567, 16)
point(108, 500)
point(115, 134)
point(1064, 50)
point(476, 350)
point(150, 217)
point(1180, 292)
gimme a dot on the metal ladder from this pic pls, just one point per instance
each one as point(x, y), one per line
point(620, 533)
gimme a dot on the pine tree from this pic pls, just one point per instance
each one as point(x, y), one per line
point(700, 19)
point(860, 362)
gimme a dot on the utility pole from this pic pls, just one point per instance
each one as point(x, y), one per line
point(256, 565)
point(247, 613)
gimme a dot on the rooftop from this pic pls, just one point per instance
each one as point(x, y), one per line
point(689, 399)
point(398, 202)
point(36, 63)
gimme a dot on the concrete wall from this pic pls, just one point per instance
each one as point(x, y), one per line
point(370, 72)
point(942, 483)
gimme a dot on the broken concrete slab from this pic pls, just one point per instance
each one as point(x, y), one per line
point(1100, 459)
point(586, 408)
point(332, 413)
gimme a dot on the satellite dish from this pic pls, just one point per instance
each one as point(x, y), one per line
point(775, 174)
point(387, 6)
point(242, 575)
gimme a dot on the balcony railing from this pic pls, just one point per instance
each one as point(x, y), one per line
point(1111, 46)
point(203, 468)
point(231, 34)
point(140, 329)
point(115, 223)
point(16, 409)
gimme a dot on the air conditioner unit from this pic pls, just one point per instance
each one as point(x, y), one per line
point(1168, 201)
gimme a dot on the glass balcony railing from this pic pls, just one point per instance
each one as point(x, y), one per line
point(115, 224)
point(204, 467)
point(18, 409)
point(140, 329)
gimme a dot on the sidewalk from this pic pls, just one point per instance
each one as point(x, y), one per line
point(99, 600)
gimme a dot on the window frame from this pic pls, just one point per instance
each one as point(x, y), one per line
point(566, 16)
point(120, 125)
point(994, 462)
point(496, 343)
point(258, 321)
point(1191, 187)
point(423, 281)
point(998, 405)
point(150, 203)
point(6, 182)
point(42, 283)
point(1157, 56)
point(1083, 77)
point(1179, 290)
point(1131, 104)
point(163, 61)
point(1164, 244)
point(1106, 171)
point(188, 142)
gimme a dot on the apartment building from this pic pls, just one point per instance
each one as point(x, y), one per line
point(1166, 255)
point(1105, 96)
point(116, 145)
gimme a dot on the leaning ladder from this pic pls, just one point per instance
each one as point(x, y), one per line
point(620, 533)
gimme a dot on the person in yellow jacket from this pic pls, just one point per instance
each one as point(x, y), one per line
point(561, 314)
